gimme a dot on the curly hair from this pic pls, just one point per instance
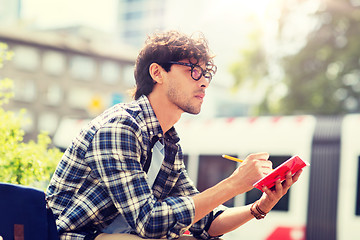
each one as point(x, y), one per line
point(163, 47)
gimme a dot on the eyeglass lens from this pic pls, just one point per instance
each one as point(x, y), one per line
point(196, 72)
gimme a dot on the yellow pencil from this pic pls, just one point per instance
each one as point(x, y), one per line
point(232, 158)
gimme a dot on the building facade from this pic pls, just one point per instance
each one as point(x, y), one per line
point(58, 76)
point(137, 18)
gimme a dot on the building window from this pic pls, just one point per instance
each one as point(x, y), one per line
point(87, 99)
point(26, 58)
point(131, 16)
point(54, 95)
point(25, 90)
point(131, 1)
point(48, 122)
point(79, 98)
point(129, 80)
point(29, 124)
point(54, 63)
point(110, 72)
point(82, 68)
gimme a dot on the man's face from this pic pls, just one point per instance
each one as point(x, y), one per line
point(183, 91)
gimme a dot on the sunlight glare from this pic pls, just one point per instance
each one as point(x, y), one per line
point(257, 7)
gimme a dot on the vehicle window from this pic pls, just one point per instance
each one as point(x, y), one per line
point(186, 160)
point(212, 170)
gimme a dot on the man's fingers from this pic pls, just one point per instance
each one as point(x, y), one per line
point(259, 156)
point(297, 175)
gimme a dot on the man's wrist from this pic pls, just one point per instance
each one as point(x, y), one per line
point(237, 187)
point(256, 211)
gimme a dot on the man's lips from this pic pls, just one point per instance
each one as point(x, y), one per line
point(200, 95)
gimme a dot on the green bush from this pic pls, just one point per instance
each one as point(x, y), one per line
point(30, 163)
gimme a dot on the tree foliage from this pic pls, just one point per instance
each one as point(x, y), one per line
point(323, 77)
point(252, 63)
point(30, 163)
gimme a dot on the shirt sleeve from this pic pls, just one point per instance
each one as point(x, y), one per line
point(186, 187)
point(115, 156)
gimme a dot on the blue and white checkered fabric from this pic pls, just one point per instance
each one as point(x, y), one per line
point(101, 176)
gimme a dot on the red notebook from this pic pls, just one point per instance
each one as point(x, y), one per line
point(294, 164)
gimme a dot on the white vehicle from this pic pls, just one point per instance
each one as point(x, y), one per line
point(323, 205)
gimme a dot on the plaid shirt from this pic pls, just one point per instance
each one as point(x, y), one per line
point(101, 175)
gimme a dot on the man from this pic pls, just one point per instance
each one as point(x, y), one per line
point(123, 176)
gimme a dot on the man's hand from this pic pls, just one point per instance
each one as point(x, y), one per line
point(254, 167)
point(270, 197)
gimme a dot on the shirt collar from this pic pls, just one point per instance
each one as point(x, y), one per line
point(152, 123)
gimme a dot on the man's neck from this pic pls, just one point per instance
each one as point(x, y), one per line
point(167, 113)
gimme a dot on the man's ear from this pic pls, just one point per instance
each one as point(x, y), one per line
point(156, 72)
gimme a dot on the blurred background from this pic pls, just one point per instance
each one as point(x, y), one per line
point(288, 82)
point(274, 57)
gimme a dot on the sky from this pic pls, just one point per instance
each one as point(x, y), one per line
point(51, 13)
point(102, 13)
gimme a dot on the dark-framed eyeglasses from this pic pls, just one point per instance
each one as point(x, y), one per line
point(196, 71)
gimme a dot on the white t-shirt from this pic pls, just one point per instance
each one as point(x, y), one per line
point(119, 225)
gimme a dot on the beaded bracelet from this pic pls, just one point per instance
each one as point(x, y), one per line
point(260, 214)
